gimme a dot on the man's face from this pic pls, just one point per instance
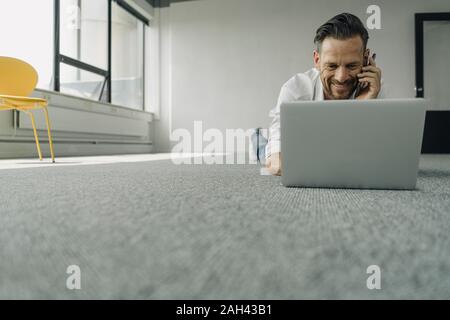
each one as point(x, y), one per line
point(339, 62)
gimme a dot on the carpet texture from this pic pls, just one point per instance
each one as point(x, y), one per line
point(155, 230)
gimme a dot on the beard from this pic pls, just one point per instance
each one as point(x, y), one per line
point(341, 90)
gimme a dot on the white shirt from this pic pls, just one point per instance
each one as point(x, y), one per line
point(303, 86)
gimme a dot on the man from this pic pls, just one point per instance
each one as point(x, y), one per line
point(343, 69)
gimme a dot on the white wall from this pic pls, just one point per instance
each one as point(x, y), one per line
point(224, 61)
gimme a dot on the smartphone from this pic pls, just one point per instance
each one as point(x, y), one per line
point(360, 85)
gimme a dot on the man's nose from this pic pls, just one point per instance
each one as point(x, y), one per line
point(341, 74)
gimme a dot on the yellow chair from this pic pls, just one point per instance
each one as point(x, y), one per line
point(17, 81)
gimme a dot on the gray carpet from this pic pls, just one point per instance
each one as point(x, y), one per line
point(154, 230)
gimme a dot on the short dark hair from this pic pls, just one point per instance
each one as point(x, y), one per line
point(341, 27)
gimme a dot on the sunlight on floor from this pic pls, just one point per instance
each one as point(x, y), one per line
point(82, 161)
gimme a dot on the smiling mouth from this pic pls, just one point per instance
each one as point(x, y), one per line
point(341, 86)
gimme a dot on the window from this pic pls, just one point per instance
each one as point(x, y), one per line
point(27, 38)
point(84, 31)
point(81, 83)
point(88, 48)
point(83, 49)
point(99, 51)
point(127, 58)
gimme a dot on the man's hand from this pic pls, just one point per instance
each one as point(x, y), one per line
point(274, 164)
point(370, 78)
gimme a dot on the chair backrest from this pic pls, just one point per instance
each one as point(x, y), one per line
point(17, 78)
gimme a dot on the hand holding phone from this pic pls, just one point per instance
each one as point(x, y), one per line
point(369, 80)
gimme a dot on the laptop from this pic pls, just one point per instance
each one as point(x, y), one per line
point(370, 144)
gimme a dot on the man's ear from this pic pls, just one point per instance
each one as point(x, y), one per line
point(316, 59)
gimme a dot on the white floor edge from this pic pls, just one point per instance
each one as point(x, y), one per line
point(91, 160)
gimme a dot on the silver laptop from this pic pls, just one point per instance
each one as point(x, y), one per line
point(371, 144)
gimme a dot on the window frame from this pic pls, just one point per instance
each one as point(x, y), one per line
point(436, 130)
point(107, 74)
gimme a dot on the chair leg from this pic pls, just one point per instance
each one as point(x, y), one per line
point(35, 133)
point(50, 141)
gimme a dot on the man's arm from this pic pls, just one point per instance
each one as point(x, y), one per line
point(273, 160)
point(299, 87)
point(274, 164)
